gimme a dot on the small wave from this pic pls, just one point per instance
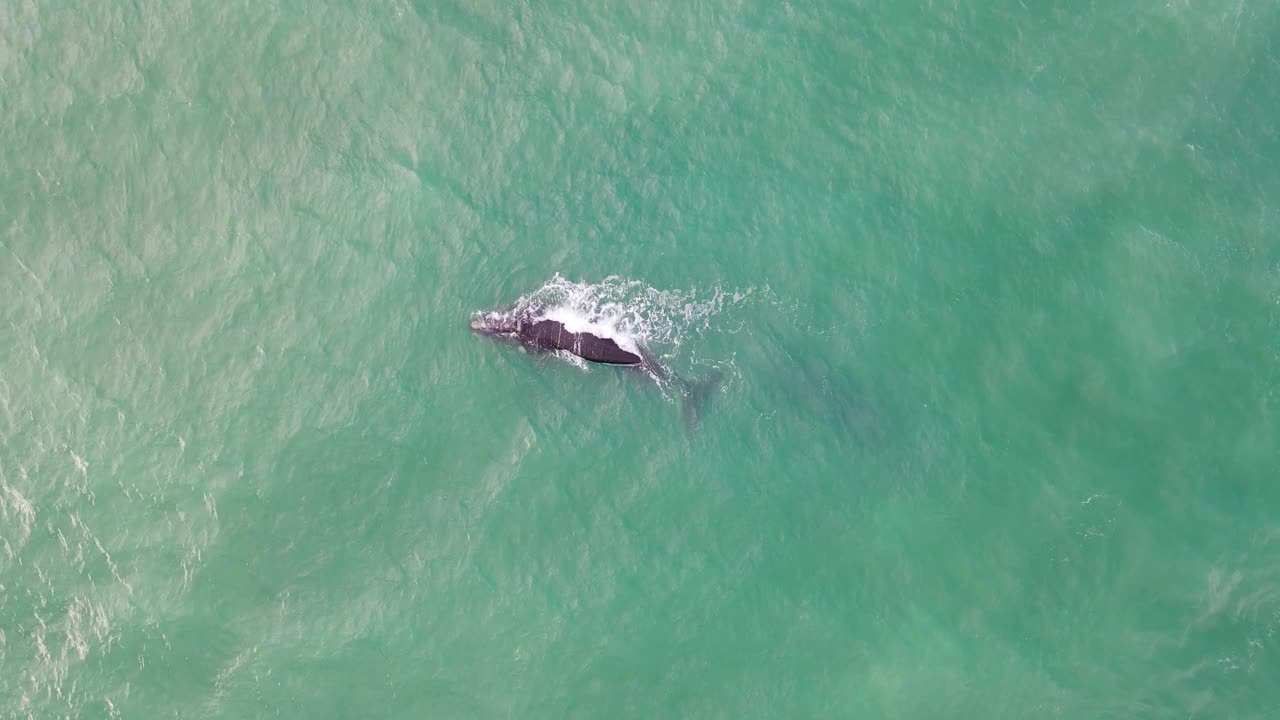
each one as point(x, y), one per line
point(572, 359)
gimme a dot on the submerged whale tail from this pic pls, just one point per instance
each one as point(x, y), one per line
point(695, 397)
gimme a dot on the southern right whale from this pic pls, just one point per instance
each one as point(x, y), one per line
point(539, 334)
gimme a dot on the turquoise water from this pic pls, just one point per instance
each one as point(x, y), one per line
point(994, 288)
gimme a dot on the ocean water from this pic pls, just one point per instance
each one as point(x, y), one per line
point(994, 289)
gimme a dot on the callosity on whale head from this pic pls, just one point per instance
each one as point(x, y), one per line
point(494, 324)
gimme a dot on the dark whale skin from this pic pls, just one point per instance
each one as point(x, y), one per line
point(552, 335)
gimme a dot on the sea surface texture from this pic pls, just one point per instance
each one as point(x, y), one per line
point(992, 290)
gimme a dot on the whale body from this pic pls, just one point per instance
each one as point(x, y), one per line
point(553, 335)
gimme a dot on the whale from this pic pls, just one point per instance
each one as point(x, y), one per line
point(542, 335)
point(551, 335)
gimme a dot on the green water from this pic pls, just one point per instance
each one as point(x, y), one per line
point(995, 288)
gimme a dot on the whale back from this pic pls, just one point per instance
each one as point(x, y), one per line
point(552, 335)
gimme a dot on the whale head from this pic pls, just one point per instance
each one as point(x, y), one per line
point(494, 323)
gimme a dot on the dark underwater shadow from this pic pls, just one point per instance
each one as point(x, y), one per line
point(797, 380)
